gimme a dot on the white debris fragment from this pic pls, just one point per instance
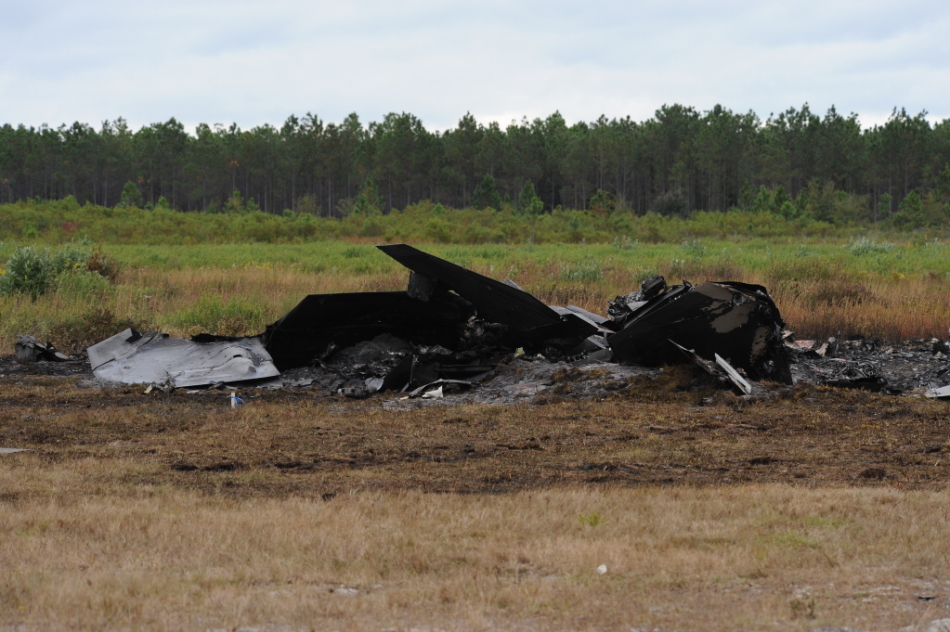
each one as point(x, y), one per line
point(436, 394)
point(131, 357)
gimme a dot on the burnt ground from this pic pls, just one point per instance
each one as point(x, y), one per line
point(555, 425)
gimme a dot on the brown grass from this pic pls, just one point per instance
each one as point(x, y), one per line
point(171, 511)
point(744, 558)
point(815, 300)
point(298, 511)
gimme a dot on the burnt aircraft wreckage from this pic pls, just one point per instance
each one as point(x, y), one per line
point(453, 326)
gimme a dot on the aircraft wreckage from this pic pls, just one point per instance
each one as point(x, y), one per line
point(452, 325)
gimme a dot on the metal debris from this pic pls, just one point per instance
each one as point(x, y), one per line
point(737, 379)
point(323, 323)
point(939, 393)
point(452, 328)
point(29, 349)
point(718, 369)
point(530, 323)
point(738, 321)
point(433, 394)
point(131, 357)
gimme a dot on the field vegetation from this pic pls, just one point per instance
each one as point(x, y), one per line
point(62, 221)
point(302, 510)
point(861, 286)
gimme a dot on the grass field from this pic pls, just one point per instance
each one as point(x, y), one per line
point(303, 511)
point(865, 287)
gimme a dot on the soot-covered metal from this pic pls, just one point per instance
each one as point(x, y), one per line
point(737, 321)
point(457, 323)
point(453, 326)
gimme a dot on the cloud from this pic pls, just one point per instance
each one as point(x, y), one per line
point(255, 63)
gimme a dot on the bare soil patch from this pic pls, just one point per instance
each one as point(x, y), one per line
point(644, 430)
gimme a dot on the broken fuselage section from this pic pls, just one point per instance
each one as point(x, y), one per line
point(456, 323)
point(453, 326)
point(737, 321)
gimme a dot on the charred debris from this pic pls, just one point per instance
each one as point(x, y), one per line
point(453, 329)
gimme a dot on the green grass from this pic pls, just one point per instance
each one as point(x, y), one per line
point(577, 262)
point(821, 288)
point(58, 222)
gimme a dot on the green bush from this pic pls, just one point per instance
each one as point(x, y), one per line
point(28, 271)
point(35, 272)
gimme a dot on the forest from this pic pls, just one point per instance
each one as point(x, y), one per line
point(679, 161)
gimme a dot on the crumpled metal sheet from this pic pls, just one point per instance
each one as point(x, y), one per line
point(29, 349)
point(738, 321)
point(131, 357)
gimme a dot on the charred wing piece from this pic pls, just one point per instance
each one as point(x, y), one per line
point(496, 301)
point(530, 321)
point(738, 321)
point(323, 322)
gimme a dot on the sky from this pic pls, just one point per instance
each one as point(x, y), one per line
point(255, 63)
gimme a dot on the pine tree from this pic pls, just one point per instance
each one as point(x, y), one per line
point(130, 195)
point(528, 201)
point(486, 194)
point(367, 202)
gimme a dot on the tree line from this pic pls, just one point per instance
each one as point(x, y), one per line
point(678, 161)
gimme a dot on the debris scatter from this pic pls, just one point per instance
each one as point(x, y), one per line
point(454, 333)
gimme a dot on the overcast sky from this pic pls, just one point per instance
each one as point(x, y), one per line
point(217, 61)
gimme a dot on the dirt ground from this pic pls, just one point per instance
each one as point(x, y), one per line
point(638, 429)
point(712, 511)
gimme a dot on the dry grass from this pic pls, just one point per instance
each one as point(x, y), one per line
point(170, 511)
point(887, 308)
point(816, 296)
point(743, 558)
point(297, 511)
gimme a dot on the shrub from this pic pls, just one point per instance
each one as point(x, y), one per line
point(68, 258)
point(528, 201)
point(865, 246)
point(486, 194)
point(671, 204)
point(98, 263)
point(131, 196)
point(75, 334)
point(35, 272)
point(28, 271)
